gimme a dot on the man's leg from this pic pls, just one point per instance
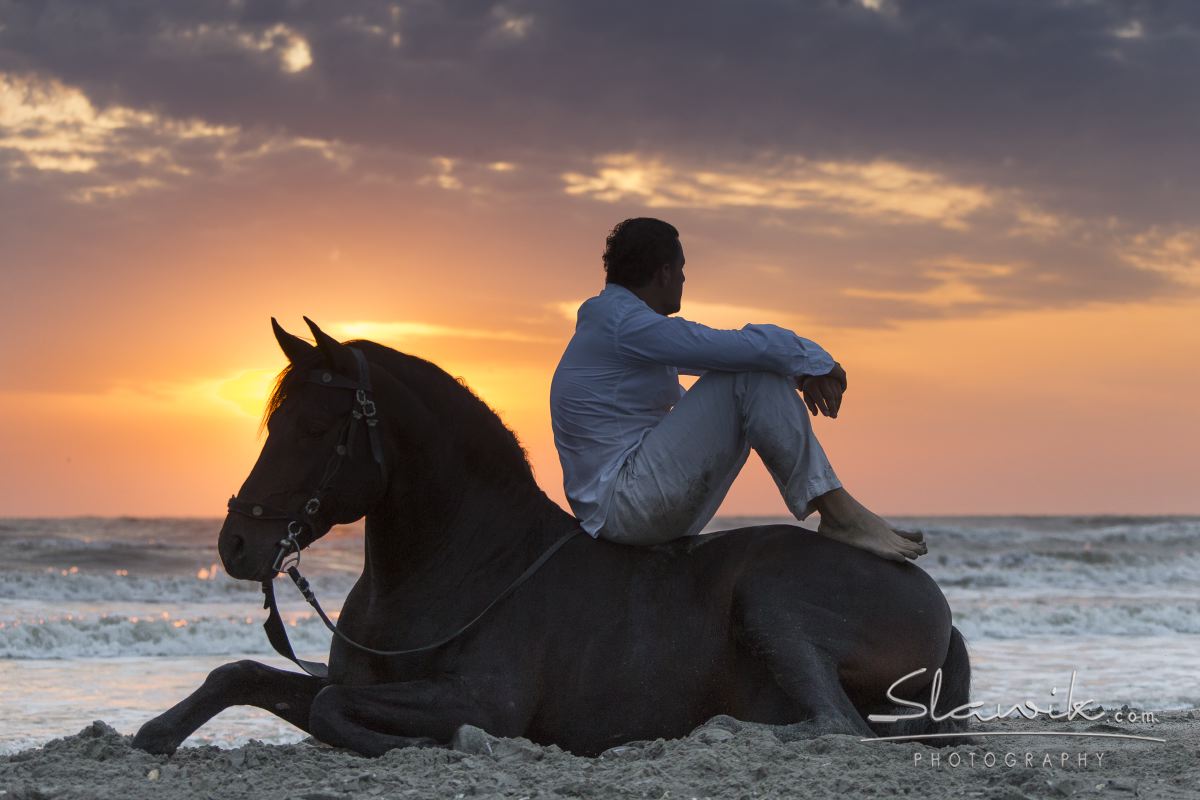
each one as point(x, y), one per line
point(779, 429)
point(675, 481)
point(672, 485)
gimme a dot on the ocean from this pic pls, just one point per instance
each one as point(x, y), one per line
point(119, 618)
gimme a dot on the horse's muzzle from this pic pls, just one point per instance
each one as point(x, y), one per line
point(246, 555)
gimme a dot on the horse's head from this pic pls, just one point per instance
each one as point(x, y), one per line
point(323, 462)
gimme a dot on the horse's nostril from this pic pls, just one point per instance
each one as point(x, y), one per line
point(230, 547)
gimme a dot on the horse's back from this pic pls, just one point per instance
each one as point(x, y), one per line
point(813, 561)
point(785, 564)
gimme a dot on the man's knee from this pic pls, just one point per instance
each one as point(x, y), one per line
point(749, 379)
point(748, 389)
point(770, 380)
point(761, 383)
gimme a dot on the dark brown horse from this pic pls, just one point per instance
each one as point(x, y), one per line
point(601, 645)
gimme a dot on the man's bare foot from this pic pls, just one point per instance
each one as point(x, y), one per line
point(874, 538)
point(845, 519)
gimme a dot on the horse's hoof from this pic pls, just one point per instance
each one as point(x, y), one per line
point(155, 739)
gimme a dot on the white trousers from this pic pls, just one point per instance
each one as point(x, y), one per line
point(673, 483)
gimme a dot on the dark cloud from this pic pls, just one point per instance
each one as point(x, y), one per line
point(880, 274)
point(1083, 110)
point(1023, 93)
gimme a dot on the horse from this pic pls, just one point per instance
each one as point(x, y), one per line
point(599, 644)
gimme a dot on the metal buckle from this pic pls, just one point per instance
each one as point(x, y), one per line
point(368, 406)
point(286, 560)
point(289, 549)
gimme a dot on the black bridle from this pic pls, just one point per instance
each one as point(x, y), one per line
point(299, 525)
point(301, 529)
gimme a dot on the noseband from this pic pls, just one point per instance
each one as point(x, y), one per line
point(287, 557)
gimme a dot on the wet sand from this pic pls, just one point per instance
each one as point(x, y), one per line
point(722, 759)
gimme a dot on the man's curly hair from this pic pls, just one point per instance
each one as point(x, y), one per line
point(636, 248)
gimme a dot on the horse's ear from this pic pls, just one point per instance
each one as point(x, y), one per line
point(295, 348)
point(336, 354)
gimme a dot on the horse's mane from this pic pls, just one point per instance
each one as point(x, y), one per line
point(487, 446)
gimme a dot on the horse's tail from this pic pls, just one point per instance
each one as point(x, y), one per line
point(955, 692)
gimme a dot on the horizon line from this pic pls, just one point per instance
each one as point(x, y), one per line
point(783, 516)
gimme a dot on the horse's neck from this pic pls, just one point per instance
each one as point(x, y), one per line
point(435, 539)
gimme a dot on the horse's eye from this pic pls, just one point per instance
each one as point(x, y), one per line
point(314, 429)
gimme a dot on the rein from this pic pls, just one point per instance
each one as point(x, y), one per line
point(287, 557)
point(277, 632)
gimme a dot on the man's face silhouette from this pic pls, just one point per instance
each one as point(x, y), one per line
point(674, 289)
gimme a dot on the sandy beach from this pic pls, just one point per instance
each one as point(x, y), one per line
point(1034, 599)
point(723, 758)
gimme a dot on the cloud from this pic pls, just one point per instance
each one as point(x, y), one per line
point(49, 127)
point(511, 24)
point(843, 152)
point(1034, 223)
point(1174, 254)
point(288, 49)
point(243, 393)
point(1085, 106)
point(400, 332)
point(444, 176)
point(115, 151)
point(1130, 30)
point(955, 282)
point(880, 190)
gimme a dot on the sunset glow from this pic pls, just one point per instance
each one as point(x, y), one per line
point(1015, 301)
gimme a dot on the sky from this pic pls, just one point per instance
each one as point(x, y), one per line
point(988, 212)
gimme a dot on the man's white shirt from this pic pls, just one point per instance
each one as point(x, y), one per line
point(620, 375)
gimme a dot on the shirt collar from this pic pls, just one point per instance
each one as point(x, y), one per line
point(616, 289)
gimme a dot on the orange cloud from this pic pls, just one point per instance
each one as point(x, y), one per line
point(397, 333)
point(952, 286)
point(1174, 253)
point(878, 189)
point(53, 127)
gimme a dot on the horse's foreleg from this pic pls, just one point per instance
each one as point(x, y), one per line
point(243, 683)
point(374, 719)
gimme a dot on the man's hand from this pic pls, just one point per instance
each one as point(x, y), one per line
point(823, 393)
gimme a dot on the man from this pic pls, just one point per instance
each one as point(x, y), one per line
point(645, 461)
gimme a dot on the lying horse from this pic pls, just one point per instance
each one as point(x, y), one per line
point(601, 645)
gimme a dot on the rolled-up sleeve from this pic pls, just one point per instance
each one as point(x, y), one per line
point(693, 347)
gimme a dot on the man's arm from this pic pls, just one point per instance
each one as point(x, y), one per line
point(692, 347)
